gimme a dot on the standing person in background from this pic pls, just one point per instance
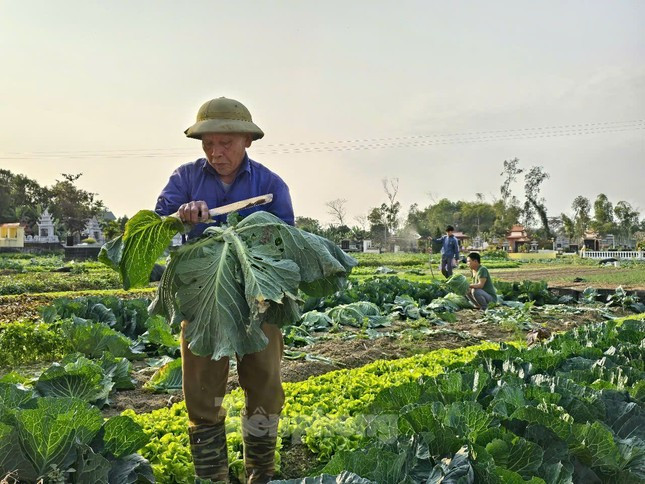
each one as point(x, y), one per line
point(449, 251)
point(481, 292)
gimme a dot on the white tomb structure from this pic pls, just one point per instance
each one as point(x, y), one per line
point(46, 230)
point(93, 229)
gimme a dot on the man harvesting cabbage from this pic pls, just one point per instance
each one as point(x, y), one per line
point(482, 291)
point(226, 175)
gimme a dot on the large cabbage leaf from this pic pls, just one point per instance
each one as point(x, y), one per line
point(168, 377)
point(353, 314)
point(118, 370)
point(229, 282)
point(53, 435)
point(82, 379)
point(92, 339)
point(342, 478)
point(458, 284)
point(14, 396)
point(160, 335)
point(47, 435)
point(122, 436)
point(134, 253)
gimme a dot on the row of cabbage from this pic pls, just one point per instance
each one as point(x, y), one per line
point(569, 410)
point(106, 327)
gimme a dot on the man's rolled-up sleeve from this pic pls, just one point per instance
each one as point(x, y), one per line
point(174, 194)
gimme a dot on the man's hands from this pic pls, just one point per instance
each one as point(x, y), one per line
point(193, 212)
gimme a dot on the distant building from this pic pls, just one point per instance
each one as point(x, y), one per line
point(561, 242)
point(461, 237)
point(93, 230)
point(516, 238)
point(46, 230)
point(107, 216)
point(12, 235)
point(591, 240)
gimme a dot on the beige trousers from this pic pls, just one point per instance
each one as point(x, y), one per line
point(204, 381)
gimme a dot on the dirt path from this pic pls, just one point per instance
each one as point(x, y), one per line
point(567, 276)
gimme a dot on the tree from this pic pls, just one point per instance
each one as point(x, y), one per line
point(475, 217)
point(569, 227)
point(417, 219)
point(603, 219)
point(337, 209)
point(510, 173)
point(534, 204)
point(359, 233)
point(627, 220)
point(581, 207)
point(391, 208)
point(73, 206)
point(111, 229)
point(337, 233)
point(309, 224)
point(378, 225)
point(505, 217)
point(443, 213)
point(21, 199)
point(122, 221)
point(362, 221)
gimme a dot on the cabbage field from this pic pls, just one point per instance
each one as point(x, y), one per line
point(391, 378)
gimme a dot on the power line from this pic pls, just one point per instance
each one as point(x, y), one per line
point(358, 144)
point(360, 147)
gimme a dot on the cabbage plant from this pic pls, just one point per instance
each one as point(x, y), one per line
point(232, 279)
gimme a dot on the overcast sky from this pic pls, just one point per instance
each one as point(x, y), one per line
point(435, 93)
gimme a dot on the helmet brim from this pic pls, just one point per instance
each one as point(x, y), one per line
point(201, 128)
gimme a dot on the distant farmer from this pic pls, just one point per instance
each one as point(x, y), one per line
point(224, 176)
point(482, 291)
point(449, 251)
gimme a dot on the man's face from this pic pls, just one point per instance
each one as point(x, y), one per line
point(472, 263)
point(449, 233)
point(225, 153)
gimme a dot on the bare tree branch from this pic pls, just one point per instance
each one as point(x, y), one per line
point(337, 209)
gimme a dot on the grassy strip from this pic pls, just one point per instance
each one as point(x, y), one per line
point(45, 296)
point(34, 282)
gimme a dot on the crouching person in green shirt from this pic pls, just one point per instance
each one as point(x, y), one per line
point(482, 291)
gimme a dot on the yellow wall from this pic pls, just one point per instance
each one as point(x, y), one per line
point(12, 236)
point(532, 255)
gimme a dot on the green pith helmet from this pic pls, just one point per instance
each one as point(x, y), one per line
point(223, 115)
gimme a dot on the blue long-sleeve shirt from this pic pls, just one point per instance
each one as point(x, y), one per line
point(449, 246)
point(199, 181)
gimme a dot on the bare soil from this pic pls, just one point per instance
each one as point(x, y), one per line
point(566, 277)
point(27, 306)
point(354, 353)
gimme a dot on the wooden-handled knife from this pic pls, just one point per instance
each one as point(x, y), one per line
point(236, 206)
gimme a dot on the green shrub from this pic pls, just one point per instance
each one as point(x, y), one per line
point(27, 342)
point(495, 254)
point(89, 240)
point(10, 265)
